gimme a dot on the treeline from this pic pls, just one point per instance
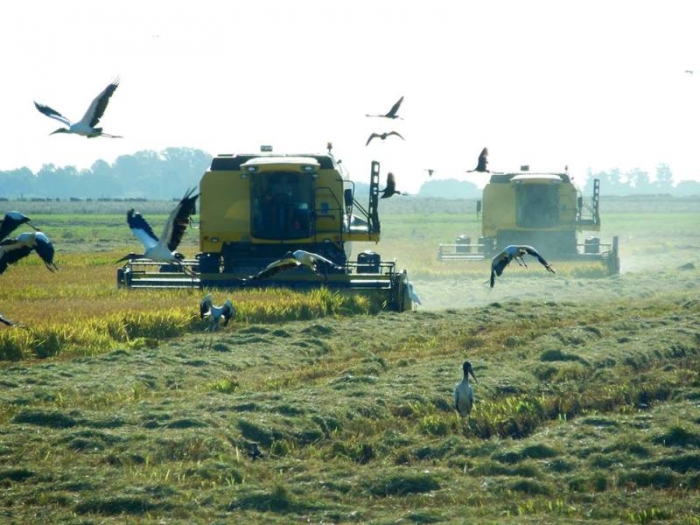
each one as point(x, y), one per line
point(142, 175)
point(638, 182)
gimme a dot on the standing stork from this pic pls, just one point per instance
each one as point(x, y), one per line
point(215, 313)
point(163, 249)
point(383, 136)
point(464, 394)
point(12, 221)
point(291, 260)
point(12, 250)
point(515, 251)
point(86, 125)
point(392, 112)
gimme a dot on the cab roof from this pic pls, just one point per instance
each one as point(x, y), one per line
point(228, 162)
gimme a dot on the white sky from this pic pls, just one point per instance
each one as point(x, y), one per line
point(588, 84)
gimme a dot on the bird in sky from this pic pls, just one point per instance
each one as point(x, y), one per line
point(383, 136)
point(162, 249)
point(12, 250)
point(464, 393)
point(392, 112)
point(500, 261)
point(390, 187)
point(482, 163)
point(430, 172)
point(689, 71)
point(215, 313)
point(87, 125)
point(11, 222)
point(292, 260)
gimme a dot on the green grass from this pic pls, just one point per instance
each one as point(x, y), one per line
point(587, 400)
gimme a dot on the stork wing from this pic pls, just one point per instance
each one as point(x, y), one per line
point(276, 267)
point(97, 108)
point(11, 222)
point(52, 113)
point(498, 264)
point(178, 220)
point(483, 160)
point(12, 251)
point(371, 137)
point(141, 229)
point(228, 312)
point(321, 259)
point(530, 250)
point(45, 250)
point(395, 109)
point(6, 321)
point(395, 133)
point(205, 306)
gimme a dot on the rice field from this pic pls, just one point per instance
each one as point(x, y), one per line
point(118, 408)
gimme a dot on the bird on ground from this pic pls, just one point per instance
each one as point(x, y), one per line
point(392, 112)
point(430, 172)
point(412, 293)
point(254, 452)
point(12, 250)
point(464, 393)
point(12, 221)
point(6, 321)
point(163, 249)
point(292, 260)
point(500, 261)
point(86, 125)
point(482, 163)
point(383, 136)
point(390, 187)
point(215, 313)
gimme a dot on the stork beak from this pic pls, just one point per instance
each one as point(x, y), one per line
point(59, 130)
point(472, 374)
point(128, 257)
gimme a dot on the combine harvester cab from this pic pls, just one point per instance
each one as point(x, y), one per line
point(254, 208)
point(544, 210)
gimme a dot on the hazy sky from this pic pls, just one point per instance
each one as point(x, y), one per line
point(588, 84)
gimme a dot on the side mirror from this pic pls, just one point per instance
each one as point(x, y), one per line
point(348, 198)
point(478, 206)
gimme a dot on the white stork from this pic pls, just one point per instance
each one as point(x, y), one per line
point(12, 221)
point(215, 313)
point(464, 394)
point(500, 261)
point(85, 126)
point(163, 249)
point(383, 136)
point(295, 259)
point(392, 112)
point(412, 293)
point(12, 250)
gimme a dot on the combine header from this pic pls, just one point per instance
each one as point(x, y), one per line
point(544, 210)
point(254, 208)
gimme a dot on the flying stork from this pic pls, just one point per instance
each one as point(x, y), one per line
point(390, 187)
point(12, 250)
point(464, 394)
point(500, 261)
point(430, 172)
point(12, 221)
point(482, 163)
point(383, 136)
point(215, 313)
point(291, 260)
point(85, 126)
point(392, 112)
point(163, 249)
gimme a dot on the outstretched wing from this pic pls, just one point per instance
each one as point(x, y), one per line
point(44, 249)
point(395, 133)
point(498, 264)
point(373, 135)
point(97, 107)
point(11, 222)
point(141, 229)
point(531, 251)
point(395, 109)
point(52, 113)
point(179, 219)
point(483, 160)
point(326, 262)
point(276, 267)
point(12, 251)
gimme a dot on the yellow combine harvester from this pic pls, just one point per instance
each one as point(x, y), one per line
point(544, 210)
point(254, 208)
